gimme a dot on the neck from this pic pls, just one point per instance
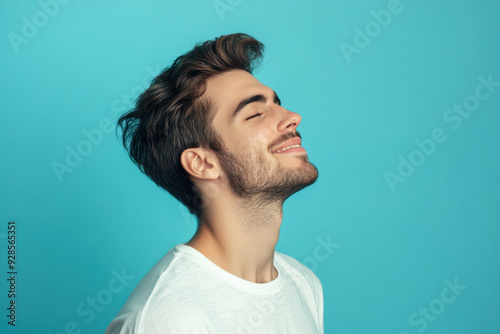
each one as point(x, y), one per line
point(240, 236)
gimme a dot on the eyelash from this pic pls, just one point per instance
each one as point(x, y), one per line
point(278, 102)
point(254, 116)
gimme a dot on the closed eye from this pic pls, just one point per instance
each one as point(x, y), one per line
point(254, 116)
point(276, 100)
point(256, 98)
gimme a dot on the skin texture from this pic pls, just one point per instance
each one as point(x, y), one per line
point(245, 186)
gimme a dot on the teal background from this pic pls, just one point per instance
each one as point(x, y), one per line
point(395, 247)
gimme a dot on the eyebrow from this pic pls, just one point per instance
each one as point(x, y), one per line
point(252, 99)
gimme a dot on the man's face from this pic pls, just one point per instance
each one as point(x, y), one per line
point(252, 126)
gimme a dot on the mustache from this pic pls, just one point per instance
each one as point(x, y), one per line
point(284, 138)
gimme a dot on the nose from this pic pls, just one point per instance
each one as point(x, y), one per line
point(288, 120)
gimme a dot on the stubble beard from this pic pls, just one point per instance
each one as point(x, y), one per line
point(252, 177)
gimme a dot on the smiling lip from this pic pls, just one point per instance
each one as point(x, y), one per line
point(291, 142)
point(292, 149)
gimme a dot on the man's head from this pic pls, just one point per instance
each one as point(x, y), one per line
point(185, 133)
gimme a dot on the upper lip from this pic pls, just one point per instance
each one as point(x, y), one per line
point(293, 141)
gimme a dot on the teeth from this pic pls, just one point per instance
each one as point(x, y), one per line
point(286, 148)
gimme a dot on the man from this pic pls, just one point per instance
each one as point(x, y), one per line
point(219, 141)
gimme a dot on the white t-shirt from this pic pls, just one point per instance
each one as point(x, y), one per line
point(185, 292)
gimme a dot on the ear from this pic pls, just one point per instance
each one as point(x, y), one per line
point(200, 163)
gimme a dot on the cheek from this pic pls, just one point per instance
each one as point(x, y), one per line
point(264, 137)
point(249, 150)
point(251, 143)
point(243, 146)
point(259, 142)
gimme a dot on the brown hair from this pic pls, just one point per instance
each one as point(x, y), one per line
point(170, 116)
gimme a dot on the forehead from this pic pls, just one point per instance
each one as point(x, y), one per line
point(225, 90)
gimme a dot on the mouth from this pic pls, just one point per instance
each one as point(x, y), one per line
point(291, 149)
point(293, 145)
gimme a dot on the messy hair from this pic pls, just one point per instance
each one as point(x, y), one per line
point(170, 116)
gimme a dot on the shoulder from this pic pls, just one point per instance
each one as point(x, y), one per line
point(294, 265)
point(162, 287)
point(299, 272)
point(307, 283)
